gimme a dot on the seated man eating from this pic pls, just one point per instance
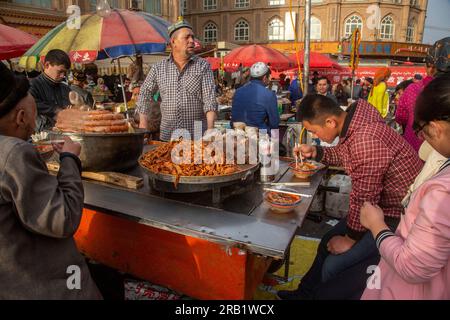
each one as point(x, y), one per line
point(381, 165)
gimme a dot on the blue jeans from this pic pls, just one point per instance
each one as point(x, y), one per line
point(327, 267)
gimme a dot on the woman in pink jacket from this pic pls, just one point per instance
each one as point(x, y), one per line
point(415, 261)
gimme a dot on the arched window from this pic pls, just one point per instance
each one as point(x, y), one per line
point(316, 28)
point(241, 31)
point(387, 28)
point(276, 29)
point(411, 31)
point(210, 33)
point(352, 23)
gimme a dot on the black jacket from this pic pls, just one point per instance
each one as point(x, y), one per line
point(49, 95)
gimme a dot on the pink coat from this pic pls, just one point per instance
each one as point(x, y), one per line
point(405, 111)
point(415, 264)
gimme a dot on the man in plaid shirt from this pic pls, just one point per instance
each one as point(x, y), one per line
point(186, 85)
point(381, 164)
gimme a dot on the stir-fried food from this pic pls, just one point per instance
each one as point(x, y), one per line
point(180, 163)
point(306, 166)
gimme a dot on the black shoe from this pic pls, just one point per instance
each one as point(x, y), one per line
point(289, 295)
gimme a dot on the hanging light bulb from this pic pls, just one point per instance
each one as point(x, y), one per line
point(103, 8)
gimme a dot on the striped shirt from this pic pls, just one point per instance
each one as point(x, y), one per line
point(186, 95)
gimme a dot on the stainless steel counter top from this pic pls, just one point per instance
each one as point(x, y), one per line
point(241, 221)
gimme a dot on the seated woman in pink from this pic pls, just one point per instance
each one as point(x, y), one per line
point(415, 260)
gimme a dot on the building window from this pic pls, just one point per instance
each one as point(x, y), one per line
point(387, 28)
point(242, 3)
point(276, 29)
point(209, 4)
point(316, 29)
point(410, 32)
point(210, 33)
point(353, 23)
point(241, 31)
point(114, 4)
point(184, 7)
point(276, 2)
point(153, 6)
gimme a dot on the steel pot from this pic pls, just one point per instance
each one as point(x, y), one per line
point(107, 152)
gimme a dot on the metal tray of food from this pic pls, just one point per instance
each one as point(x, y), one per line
point(245, 170)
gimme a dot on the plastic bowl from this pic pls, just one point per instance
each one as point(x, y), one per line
point(280, 207)
point(46, 151)
point(304, 173)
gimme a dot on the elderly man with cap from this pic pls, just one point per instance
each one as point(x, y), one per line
point(78, 84)
point(186, 86)
point(39, 212)
point(254, 104)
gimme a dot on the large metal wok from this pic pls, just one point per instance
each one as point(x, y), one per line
point(107, 151)
point(165, 182)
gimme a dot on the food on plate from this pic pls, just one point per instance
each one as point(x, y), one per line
point(160, 160)
point(46, 151)
point(43, 148)
point(97, 121)
point(306, 166)
point(305, 170)
point(281, 202)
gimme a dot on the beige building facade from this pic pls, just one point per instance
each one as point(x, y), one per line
point(272, 21)
point(40, 16)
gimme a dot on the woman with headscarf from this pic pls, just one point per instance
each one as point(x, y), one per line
point(379, 96)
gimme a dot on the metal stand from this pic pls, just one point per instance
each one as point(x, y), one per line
point(123, 89)
point(216, 198)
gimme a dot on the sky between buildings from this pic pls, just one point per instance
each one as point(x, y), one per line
point(437, 24)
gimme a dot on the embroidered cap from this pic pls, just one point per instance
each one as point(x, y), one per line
point(259, 69)
point(178, 25)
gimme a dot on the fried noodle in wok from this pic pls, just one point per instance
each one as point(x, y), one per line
point(159, 160)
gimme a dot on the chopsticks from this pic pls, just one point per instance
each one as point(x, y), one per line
point(296, 157)
point(291, 184)
point(289, 192)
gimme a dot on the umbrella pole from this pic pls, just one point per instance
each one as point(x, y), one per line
point(123, 89)
point(307, 50)
point(353, 81)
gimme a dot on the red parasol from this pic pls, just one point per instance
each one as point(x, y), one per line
point(14, 42)
point(248, 55)
point(214, 62)
point(317, 60)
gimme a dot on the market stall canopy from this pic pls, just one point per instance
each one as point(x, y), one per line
point(316, 60)
point(119, 34)
point(14, 42)
point(248, 55)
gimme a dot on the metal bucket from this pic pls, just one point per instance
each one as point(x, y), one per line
point(107, 152)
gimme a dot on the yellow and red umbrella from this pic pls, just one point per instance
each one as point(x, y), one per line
point(121, 33)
